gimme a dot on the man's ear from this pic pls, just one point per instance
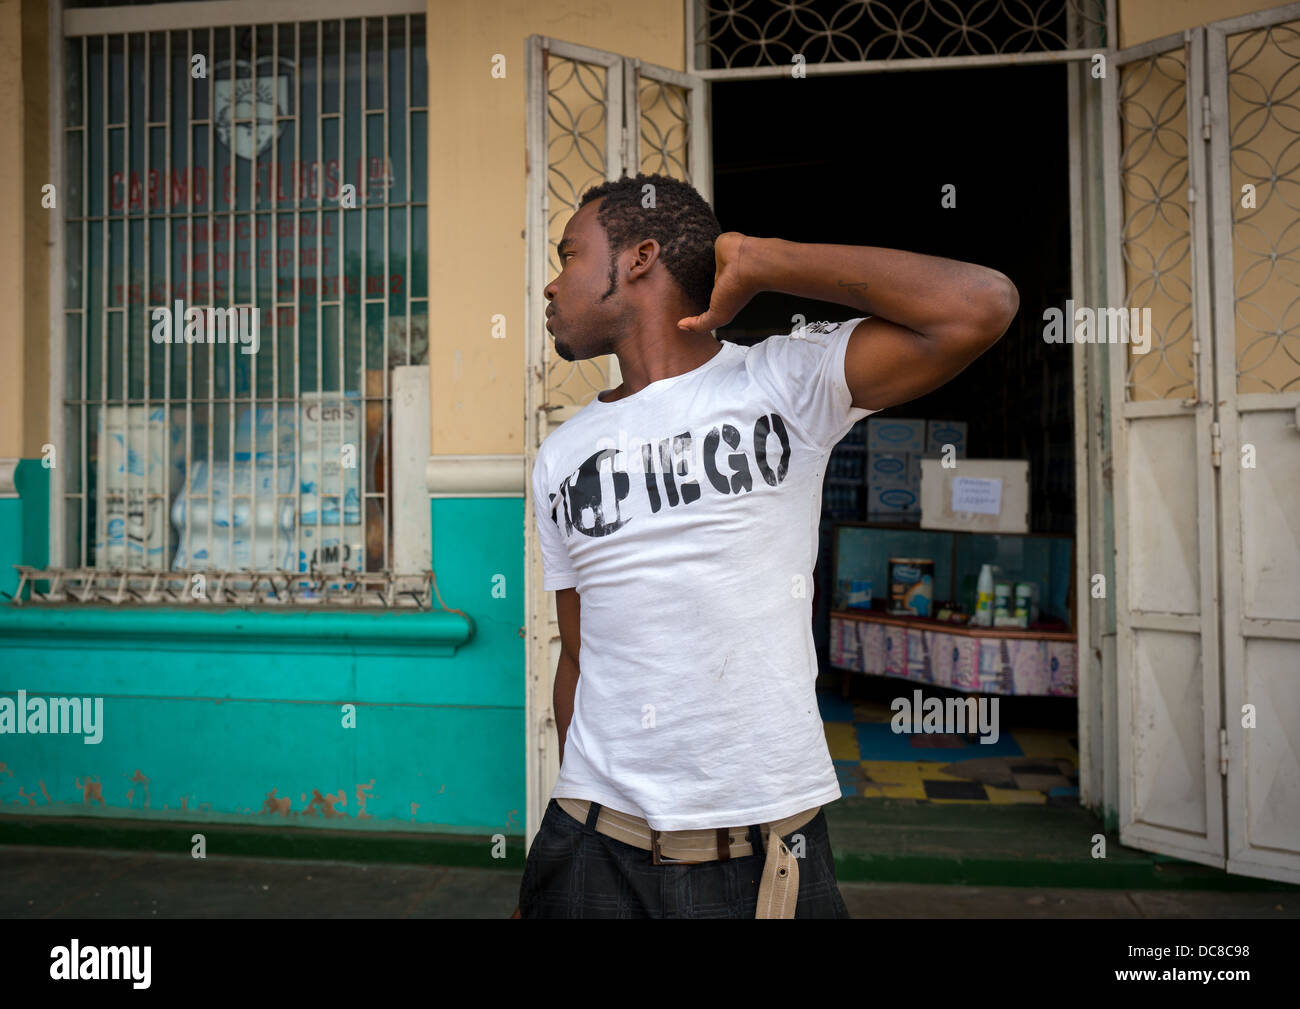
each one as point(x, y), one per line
point(647, 254)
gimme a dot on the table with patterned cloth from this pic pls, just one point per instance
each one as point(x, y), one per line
point(965, 659)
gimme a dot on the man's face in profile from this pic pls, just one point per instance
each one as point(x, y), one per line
point(586, 305)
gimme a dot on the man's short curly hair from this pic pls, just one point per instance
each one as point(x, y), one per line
point(681, 221)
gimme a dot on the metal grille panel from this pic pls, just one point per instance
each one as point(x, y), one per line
point(120, 586)
point(1264, 120)
point(579, 99)
point(1156, 240)
point(733, 34)
point(587, 100)
point(664, 114)
point(209, 167)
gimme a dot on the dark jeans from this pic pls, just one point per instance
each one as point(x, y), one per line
point(574, 872)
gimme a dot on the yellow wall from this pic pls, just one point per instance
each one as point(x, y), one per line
point(476, 200)
point(477, 194)
point(36, 227)
point(24, 229)
point(12, 197)
point(1143, 20)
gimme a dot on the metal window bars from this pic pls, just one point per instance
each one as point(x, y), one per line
point(209, 169)
point(120, 586)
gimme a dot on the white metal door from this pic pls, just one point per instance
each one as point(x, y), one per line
point(1171, 794)
point(1253, 63)
point(593, 116)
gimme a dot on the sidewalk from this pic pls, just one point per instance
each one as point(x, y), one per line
point(52, 882)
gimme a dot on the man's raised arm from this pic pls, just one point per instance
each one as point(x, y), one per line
point(930, 317)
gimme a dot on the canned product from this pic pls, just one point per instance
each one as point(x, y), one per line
point(1003, 606)
point(1026, 603)
point(911, 585)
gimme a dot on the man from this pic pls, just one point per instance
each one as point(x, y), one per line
point(678, 516)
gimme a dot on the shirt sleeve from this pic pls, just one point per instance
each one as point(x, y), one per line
point(804, 372)
point(557, 569)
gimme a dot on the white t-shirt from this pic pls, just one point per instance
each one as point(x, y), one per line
point(686, 516)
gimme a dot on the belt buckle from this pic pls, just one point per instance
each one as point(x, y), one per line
point(656, 856)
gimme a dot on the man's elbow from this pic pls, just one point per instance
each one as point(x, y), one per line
point(1001, 302)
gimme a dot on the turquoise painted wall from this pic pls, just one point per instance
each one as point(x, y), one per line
point(11, 544)
point(24, 524)
point(223, 715)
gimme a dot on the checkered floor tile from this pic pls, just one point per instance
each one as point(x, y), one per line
point(1034, 766)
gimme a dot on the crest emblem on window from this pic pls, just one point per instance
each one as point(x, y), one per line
point(246, 105)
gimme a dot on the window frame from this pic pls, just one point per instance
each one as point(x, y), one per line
point(68, 24)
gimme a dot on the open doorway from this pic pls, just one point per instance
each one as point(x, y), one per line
point(863, 160)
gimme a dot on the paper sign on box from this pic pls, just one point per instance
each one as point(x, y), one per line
point(939, 498)
point(976, 494)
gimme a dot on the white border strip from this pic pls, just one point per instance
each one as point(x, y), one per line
point(8, 467)
point(58, 320)
point(475, 475)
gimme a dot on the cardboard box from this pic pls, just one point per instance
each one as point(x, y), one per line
point(325, 551)
point(895, 434)
point(914, 475)
point(887, 469)
point(131, 470)
point(328, 422)
point(891, 501)
point(945, 432)
point(1005, 481)
point(215, 517)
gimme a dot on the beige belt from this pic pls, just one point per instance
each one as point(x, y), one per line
point(778, 891)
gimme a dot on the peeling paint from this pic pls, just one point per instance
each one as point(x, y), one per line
point(91, 791)
point(45, 793)
point(276, 804)
point(414, 807)
point(323, 805)
point(138, 779)
point(5, 768)
point(363, 794)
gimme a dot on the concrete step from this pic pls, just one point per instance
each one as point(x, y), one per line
point(66, 883)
